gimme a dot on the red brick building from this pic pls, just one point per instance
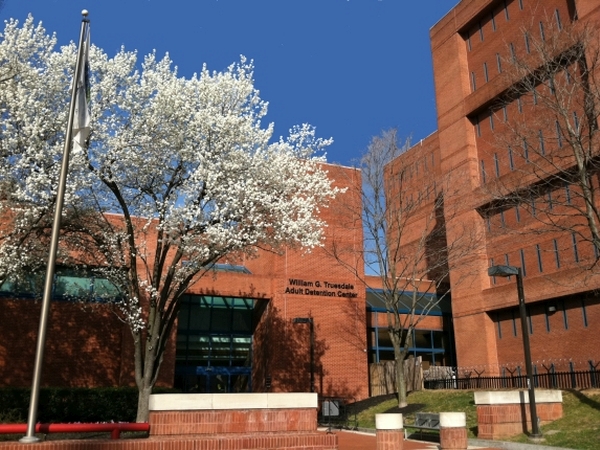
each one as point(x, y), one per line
point(479, 111)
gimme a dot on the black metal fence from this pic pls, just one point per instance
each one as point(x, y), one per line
point(551, 379)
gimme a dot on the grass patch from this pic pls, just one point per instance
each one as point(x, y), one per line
point(578, 429)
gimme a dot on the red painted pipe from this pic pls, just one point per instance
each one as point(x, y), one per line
point(46, 428)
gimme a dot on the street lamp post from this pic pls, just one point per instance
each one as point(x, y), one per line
point(309, 321)
point(508, 271)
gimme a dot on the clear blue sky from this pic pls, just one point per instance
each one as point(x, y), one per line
point(349, 67)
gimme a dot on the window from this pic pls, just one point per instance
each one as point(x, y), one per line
point(565, 316)
point(535, 96)
point(527, 47)
point(520, 105)
point(499, 62)
point(517, 213)
point(567, 193)
point(493, 21)
point(506, 11)
point(558, 134)
point(488, 223)
point(525, 150)
point(478, 126)
point(502, 220)
point(497, 164)
point(483, 171)
point(556, 253)
point(575, 249)
point(469, 41)
point(576, 121)
point(473, 81)
point(542, 146)
point(505, 113)
point(513, 54)
point(485, 72)
point(542, 34)
point(550, 200)
point(538, 251)
point(584, 313)
point(558, 21)
point(511, 161)
point(491, 121)
point(481, 32)
point(523, 268)
point(547, 317)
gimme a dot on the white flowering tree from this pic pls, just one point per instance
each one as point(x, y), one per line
point(178, 174)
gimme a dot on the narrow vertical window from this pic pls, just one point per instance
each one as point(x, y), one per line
point(507, 261)
point(506, 11)
point(491, 121)
point(505, 113)
point(469, 41)
point(497, 164)
point(483, 171)
point(567, 193)
point(547, 314)
point(576, 121)
point(556, 253)
point(513, 54)
point(499, 62)
point(550, 201)
point(502, 220)
point(565, 317)
point(481, 32)
point(493, 21)
point(527, 47)
point(523, 268)
point(558, 21)
point(511, 161)
point(488, 224)
point(499, 326)
point(525, 150)
point(575, 249)
point(535, 96)
point(533, 207)
point(542, 144)
point(521, 4)
point(542, 33)
point(538, 251)
point(552, 85)
point(485, 72)
point(478, 126)
point(520, 105)
point(558, 135)
point(473, 81)
point(584, 313)
point(517, 213)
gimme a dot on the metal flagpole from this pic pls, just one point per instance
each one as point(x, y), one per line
point(39, 354)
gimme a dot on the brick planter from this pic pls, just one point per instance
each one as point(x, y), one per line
point(453, 431)
point(390, 431)
point(503, 414)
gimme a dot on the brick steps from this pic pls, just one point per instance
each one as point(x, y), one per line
point(252, 441)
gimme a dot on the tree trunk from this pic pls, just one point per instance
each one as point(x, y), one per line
point(400, 382)
point(143, 409)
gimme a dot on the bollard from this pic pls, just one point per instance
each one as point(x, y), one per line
point(390, 431)
point(453, 431)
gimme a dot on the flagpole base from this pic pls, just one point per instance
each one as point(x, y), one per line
point(29, 440)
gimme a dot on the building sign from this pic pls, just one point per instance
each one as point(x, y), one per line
point(320, 288)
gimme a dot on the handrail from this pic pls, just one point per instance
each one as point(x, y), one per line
point(46, 428)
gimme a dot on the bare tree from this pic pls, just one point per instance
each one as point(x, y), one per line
point(403, 213)
point(547, 138)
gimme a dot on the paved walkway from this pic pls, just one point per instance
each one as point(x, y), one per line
point(352, 440)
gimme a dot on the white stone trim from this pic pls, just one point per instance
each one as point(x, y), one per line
point(389, 421)
point(191, 402)
point(518, 397)
point(453, 420)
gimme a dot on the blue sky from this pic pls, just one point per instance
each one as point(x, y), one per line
point(352, 68)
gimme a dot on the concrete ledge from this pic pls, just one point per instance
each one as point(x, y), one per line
point(194, 402)
point(389, 421)
point(516, 397)
point(453, 420)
